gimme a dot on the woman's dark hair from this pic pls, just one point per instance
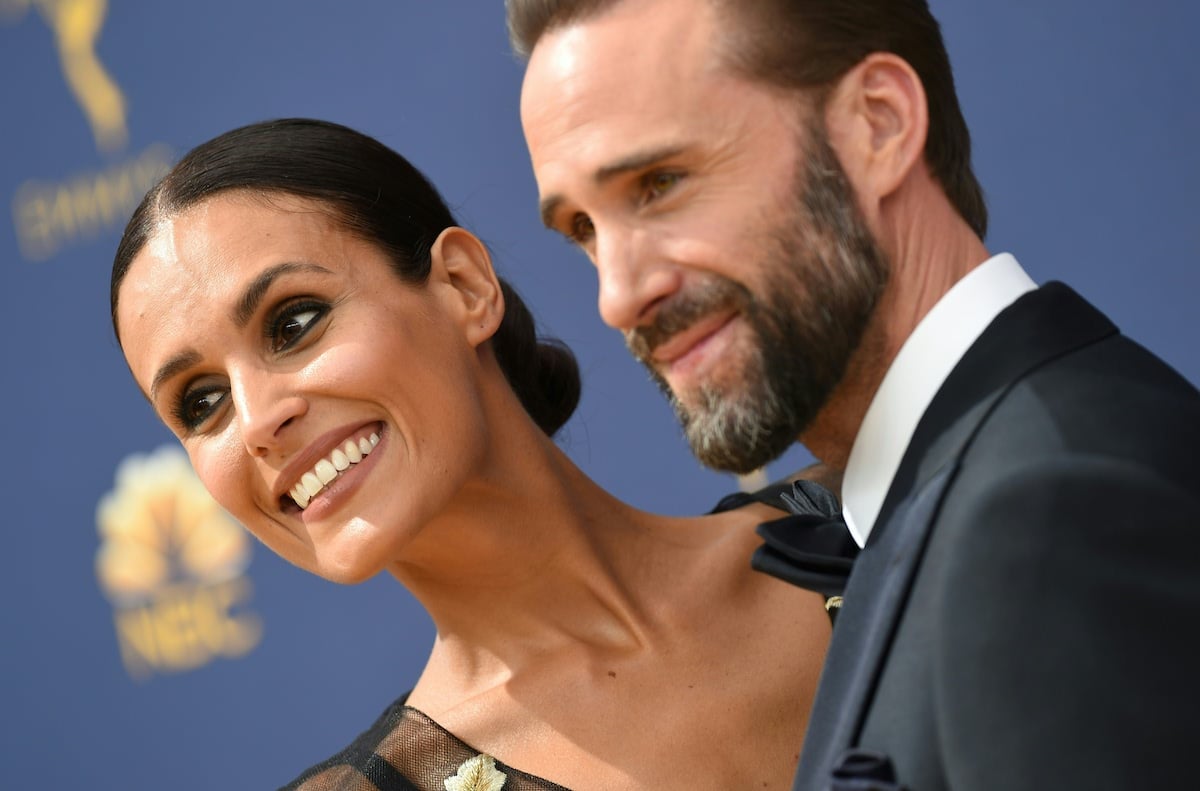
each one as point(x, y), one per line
point(374, 193)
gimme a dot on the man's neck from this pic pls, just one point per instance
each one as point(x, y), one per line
point(926, 259)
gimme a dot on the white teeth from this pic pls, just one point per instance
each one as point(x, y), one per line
point(300, 496)
point(312, 484)
point(326, 470)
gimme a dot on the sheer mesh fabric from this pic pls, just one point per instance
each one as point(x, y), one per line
point(404, 751)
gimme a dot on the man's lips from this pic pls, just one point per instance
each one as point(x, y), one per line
point(685, 341)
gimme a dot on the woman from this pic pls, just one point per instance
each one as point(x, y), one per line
point(353, 382)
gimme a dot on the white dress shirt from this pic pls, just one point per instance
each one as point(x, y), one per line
point(925, 360)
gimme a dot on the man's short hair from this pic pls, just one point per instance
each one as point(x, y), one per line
point(810, 45)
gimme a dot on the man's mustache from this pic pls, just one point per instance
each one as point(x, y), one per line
point(681, 312)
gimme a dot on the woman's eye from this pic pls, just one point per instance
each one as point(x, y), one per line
point(196, 406)
point(292, 324)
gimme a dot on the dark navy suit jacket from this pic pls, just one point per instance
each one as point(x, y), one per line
point(1026, 613)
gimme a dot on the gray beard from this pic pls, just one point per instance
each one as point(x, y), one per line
point(822, 276)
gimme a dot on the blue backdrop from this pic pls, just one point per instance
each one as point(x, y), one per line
point(170, 652)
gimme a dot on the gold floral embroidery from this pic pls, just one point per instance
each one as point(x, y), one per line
point(476, 774)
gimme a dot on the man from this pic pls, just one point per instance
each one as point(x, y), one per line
point(778, 200)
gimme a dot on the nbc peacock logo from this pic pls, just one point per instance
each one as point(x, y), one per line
point(172, 563)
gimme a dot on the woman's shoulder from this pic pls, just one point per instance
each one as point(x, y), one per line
point(803, 538)
point(405, 750)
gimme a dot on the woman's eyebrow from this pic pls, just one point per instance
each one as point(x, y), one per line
point(251, 297)
point(180, 362)
point(254, 293)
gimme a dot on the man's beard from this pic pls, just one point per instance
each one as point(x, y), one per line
point(821, 278)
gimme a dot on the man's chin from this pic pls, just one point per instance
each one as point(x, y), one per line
point(724, 428)
point(729, 442)
point(724, 458)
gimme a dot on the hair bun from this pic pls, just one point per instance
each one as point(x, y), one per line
point(543, 372)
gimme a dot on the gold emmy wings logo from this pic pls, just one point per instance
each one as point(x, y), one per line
point(172, 563)
point(49, 216)
point(76, 26)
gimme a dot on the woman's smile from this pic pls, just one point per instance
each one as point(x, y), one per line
point(288, 356)
point(353, 382)
point(324, 482)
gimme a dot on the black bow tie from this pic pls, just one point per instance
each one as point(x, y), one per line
point(812, 548)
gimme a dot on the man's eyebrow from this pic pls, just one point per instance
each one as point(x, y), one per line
point(638, 160)
point(254, 293)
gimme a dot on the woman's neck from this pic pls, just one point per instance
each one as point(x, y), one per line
point(513, 548)
point(533, 557)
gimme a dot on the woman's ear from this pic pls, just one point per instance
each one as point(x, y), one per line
point(461, 264)
point(877, 119)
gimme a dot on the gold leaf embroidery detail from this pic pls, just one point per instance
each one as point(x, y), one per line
point(476, 774)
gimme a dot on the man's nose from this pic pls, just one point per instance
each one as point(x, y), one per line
point(634, 278)
point(267, 408)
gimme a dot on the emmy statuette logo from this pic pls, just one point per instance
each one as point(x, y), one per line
point(50, 216)
point(76, 25)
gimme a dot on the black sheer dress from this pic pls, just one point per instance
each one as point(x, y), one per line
point(406, 751)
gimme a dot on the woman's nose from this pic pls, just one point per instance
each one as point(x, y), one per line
point(267, 407)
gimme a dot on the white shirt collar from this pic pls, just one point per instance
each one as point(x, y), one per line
point(925, 360)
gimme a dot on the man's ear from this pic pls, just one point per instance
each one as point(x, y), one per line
point(877, 118)
point(460, 263)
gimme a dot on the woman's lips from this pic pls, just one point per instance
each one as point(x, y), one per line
point(340, 460)
point(333, 494)
point(328, 458)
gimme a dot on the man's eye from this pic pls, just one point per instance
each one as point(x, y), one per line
point(581, 229)
point(659, 183)
point(196, 406)
point(292, 324)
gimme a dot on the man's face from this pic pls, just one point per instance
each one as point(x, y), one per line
point(729, 247)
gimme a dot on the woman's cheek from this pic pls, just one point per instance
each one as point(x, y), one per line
point(223, 472)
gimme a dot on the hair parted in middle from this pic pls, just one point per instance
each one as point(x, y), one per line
point(372, 192)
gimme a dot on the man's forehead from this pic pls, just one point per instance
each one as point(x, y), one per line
point(635, 70)
point(659, 40)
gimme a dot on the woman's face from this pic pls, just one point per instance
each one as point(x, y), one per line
point(298, 370)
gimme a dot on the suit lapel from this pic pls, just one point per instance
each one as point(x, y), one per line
point(882, 575)
point(1037, 328)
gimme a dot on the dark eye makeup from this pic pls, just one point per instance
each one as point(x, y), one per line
point(291, 322)
point(285, 327)
point(196, 404)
